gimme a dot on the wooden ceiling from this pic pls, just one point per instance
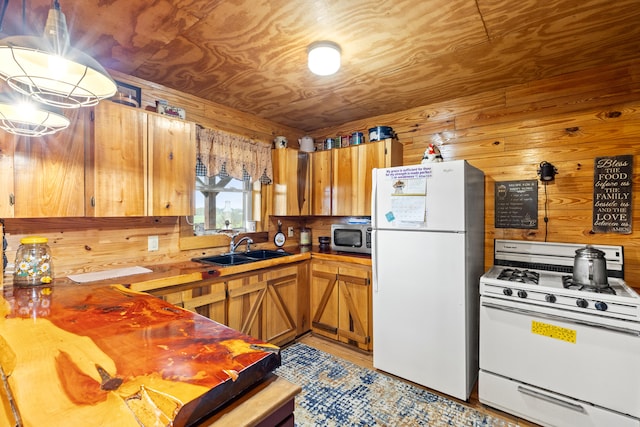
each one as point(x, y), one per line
point(397, 54)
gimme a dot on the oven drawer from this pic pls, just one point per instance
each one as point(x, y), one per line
point(544, 348)
point(543, 407)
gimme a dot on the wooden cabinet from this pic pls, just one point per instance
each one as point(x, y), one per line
point(268, 304)
point(113, 161)
point(340, 299)
point(208, 298)
point(320, 182)
point(44, 176)
point(265, 304)
point(172, 166)
point(290, 189)
point(352, 166)
point(333, 182)
point(139, 164)
point(116, 179)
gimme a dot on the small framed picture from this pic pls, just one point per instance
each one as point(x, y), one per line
point(127, 94)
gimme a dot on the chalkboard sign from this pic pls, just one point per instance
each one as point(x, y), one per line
point(612, 182)
point(516, 204)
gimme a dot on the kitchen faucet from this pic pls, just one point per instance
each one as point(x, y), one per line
point(233, 245)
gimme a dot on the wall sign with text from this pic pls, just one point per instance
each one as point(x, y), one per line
point(612, 185)
point(516, 204)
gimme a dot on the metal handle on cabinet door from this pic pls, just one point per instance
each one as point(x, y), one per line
point(12, 199)
point(560, 318)
point(551, 399)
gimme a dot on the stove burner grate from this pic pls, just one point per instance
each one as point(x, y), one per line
point(568, 283)
point(521, 276)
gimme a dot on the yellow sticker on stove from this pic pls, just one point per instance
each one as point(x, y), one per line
point(553, 331)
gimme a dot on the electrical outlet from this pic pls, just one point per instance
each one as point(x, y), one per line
point(152, 243)
point(290, 231)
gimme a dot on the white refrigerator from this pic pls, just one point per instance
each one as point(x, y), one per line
point(428, 256)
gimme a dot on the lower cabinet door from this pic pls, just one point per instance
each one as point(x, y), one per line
point(354, 323)
point(209, 301)
point(340, 298)
point(264, 305)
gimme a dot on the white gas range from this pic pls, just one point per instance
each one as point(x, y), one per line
point(553, 351)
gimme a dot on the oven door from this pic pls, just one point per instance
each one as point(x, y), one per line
point(577, 355)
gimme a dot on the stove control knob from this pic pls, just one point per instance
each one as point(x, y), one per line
point(582, 303)
point(550, 298)
point(522, 293)
point(602, 306)
point(507, 291)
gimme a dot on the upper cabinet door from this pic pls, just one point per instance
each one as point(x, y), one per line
point(320, 182)
point(49, 172)
point(290, 189)
point(346, 177)
point(116, 162)
point(352, 168)
point(369, 156)
point(172, 166)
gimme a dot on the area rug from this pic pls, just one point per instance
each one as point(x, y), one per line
point(336, 392)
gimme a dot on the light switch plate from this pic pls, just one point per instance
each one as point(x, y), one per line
point(152, 243)
point(290, 229)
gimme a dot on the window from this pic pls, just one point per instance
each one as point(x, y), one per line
point(222, 203)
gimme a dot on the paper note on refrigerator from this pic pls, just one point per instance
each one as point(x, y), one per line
point(408, 207)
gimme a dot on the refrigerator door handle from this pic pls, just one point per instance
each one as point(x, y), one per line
point(374, 257)
point(374, 232)
point(374, 198)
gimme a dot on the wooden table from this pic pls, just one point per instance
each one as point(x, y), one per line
point(106, 355)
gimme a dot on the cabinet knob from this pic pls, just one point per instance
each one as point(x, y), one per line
point(12, 199)
point(93, 201)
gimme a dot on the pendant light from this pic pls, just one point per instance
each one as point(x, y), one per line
point(324, 58)
point(50, 71)
point(21, 116)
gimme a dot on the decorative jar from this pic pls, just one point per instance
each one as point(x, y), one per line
point(34, 265)
point(305, 237)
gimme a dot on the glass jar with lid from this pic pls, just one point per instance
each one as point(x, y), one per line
point(34, 265)
point(305, 237)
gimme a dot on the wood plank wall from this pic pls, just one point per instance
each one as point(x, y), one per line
point(567, 120)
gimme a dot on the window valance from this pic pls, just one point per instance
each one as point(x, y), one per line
point(235, 155)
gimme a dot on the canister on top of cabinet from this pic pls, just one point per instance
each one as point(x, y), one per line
point(329, 143)
point(357, 138)
point(379, 133)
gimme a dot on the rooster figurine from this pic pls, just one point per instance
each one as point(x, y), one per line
point(432, 154)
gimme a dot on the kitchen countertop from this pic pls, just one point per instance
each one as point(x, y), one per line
point(165, 275)
point(110, 356)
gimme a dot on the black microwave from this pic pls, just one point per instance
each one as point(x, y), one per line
point(351, 238)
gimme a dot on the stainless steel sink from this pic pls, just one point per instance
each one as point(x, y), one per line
point(241, 257)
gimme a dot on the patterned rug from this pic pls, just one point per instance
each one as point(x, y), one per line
point(336, 392)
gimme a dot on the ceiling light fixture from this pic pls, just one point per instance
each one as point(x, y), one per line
point(324, 58)
point(50, 71)
point(26, 118)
